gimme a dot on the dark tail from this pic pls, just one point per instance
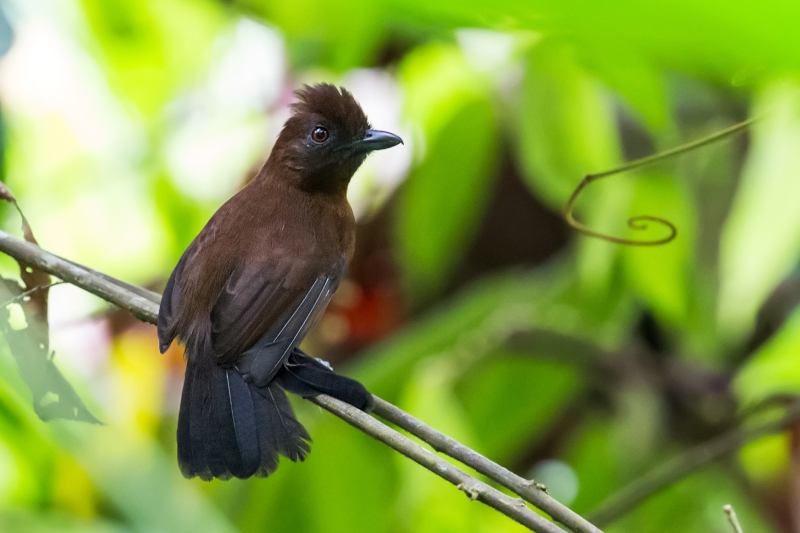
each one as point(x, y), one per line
point(307, 377)
point(228, 427)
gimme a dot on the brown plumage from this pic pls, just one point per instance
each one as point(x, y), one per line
point(255, 281)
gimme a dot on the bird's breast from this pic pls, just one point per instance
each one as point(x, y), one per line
point(314, 234)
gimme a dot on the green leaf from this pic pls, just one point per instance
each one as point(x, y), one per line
point(336, 35)
point(567, 130)
point(694, 505)
point(767, 459)
point(510, 400)
point(761, 238)
point(637, 79)
point(592, 455)
point(659, 275)
point(27, 453)
point(350, 480)
point(684, 35)
point(566, 125)
point(445, 195)
point(139, 480)
point(151, 48)
point(427, 503)
point(488, 309)
point(54, 522)
point(774, 368)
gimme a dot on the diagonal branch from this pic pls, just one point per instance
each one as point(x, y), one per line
point(527, 489)
point(144, 304)
point(475, 489)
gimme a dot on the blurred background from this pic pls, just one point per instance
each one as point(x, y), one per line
point(470, 304)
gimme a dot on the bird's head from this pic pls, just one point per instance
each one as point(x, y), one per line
point(327, 138)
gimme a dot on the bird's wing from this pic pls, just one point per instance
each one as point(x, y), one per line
point(170, 302)
point(263, 312)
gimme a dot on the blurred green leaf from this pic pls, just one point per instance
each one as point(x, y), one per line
point(767, 459)
point(692, 37)
point(428, 503)
point(510, 400)
point(681, 508)
point(27, 453)
point(384, 367)
point(136, 477)
point(447, 191)
point(636, 78)
point(591, 454)
point(337, 35)
point(350, 481)
point(152, 48)
point(281, 500)
point(48, 522)
point(660, 274)
point(483, 316)
point(774, 368)
point(567, 131)
point(566, 125)
point(53, 397)
point(761, 239)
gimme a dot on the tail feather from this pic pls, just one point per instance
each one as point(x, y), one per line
point(185, 455)
point(267, 448)
point(221, 424)
point(228, 427)
point(240, 405)
point(286, 435)
point(208, 428)
point(199, 398)
point(308, 377)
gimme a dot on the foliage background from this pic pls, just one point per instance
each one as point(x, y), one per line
point(126, 123)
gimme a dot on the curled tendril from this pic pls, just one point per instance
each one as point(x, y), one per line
point(639, 223)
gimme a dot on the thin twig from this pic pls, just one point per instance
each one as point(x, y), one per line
point(527, 489)
point(737, 528)
point(474, 489)
point(143, 305)
point(27, 293)
point(664, 475)
point(640, 222)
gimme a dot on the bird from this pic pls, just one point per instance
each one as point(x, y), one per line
point(255, 281)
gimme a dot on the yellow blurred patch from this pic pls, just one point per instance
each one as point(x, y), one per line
point(73, 490)
point(138, 372)
point(766, 460)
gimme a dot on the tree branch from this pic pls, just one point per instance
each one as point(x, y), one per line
point(143, 304)
point(664, 475)
point(527, 489)
point(474, 489)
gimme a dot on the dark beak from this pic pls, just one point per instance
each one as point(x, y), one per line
point(378, 140)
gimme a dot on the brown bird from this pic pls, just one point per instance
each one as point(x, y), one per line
point(255, 281)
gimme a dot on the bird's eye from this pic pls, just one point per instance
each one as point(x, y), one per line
point(319, 134)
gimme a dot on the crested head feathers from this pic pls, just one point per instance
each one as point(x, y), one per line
point(336, 105)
